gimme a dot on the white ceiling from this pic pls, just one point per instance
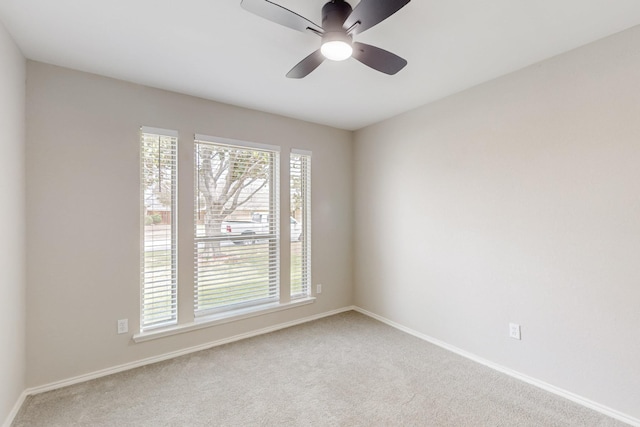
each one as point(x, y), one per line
point(214, 49)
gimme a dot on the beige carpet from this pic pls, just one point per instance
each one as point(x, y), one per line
point(344, 370)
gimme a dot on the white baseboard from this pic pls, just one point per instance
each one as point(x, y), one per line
point(127, 366)
point(16, 408)
point(610, 412)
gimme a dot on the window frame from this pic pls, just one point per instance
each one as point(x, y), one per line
point(186, 318)
point(273, 236)
point(148, 291)
point(305, 282)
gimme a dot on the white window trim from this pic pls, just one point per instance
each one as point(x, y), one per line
point(301, 152)
point(174, 237)
point(159, 131)
point(236, 142)
point(307, 225)
point(221, 318)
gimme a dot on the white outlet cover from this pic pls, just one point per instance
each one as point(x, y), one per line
point(123, 326)
point(514, 331)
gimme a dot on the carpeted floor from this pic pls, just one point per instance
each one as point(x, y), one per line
point(344, 370)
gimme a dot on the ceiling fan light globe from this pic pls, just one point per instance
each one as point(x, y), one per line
point(336, 45)
point(336, 50)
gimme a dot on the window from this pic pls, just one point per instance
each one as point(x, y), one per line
point(237, 221)
point(158, 166)
point(236, 215)
point(300, 198)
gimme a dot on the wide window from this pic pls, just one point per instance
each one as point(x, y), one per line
point(300, 199)
point(234, 269)
point(236, 215)
point(158, 168)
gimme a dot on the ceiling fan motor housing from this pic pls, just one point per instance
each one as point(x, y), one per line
point(334, 13)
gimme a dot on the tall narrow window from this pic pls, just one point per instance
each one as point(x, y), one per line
point(237, 234)
point(300, 187)
point(158, 264)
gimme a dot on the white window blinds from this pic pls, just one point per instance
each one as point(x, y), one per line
point(236, 225)
point(300, 197)
point(158, 175)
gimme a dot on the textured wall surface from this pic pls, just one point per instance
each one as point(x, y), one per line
point(83, 215)
point(12, 224)
point(515, 201)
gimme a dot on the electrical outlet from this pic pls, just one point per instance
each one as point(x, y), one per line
point(514, 331)
point(318, 288)
point(123, 326)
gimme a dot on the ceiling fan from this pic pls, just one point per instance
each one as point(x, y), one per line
point(339, 24)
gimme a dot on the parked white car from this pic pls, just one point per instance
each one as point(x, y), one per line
point(259, 224)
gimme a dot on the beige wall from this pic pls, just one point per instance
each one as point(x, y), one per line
point(515, 201)
point(83, 214)
point(12, 224)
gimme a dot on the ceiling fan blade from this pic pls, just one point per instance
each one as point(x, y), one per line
point(378, 59)
point(371, 12)
point(306, 66)
point(280, 15)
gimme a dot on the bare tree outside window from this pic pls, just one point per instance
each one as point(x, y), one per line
point(228, 179)
point(237, 234)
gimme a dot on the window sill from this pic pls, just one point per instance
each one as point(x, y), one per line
point(219, 319)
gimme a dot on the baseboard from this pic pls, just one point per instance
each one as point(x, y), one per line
point(132, 365)
point(610, 412)
point(171, 355)
point(15, 410)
